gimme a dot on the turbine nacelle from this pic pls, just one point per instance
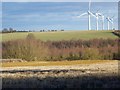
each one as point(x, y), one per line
point(88, 12)
point(108, 19)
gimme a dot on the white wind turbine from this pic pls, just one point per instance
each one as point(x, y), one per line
point(108, 20)
point(97, 19)
point(112, 22)
point(97, 14)
point(103, 19)
point(89, 15)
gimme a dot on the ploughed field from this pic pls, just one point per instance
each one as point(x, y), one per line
point(84, 74)
point(64, 35)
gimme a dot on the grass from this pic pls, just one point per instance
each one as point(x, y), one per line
point(52, 63)
point(66, 35)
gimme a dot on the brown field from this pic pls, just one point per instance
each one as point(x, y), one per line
point(68, 74)
point(52, 63)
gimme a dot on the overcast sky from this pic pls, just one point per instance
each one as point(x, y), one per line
point(54, 15)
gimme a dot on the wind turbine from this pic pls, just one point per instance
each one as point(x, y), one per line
point(89, 15)
point(103, 19)
point(96, 15)
point(112, 22)
point(108, 20)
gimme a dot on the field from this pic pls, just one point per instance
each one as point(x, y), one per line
point(52, 63)
point(66, 35)
point(64, 74)
point(77, 75)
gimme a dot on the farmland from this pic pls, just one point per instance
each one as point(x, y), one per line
point(102, 45)
point(77, 75)
point(57, 36)
point(74, 59)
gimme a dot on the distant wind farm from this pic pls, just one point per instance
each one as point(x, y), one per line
point(98, 16)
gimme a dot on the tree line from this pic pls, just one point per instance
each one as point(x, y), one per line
point(11, 30)
point(34, 49)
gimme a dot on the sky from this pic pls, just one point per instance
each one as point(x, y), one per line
point(58, 0)
point(54, 15)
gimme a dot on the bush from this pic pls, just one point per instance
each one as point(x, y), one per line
point(30, 36)
point(33, 49)
point(91, 54)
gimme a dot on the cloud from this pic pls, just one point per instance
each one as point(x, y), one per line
point(36, 17)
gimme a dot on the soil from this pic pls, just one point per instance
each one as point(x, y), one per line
point(101, 75)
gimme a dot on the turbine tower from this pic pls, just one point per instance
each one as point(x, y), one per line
point(89, 15)
point(103, 18)
point(97, 18)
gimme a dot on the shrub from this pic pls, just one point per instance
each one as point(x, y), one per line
point(30, 36)
point(91, 54)
point(33, 49)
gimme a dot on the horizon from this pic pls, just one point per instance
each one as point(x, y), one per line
point(54, 15)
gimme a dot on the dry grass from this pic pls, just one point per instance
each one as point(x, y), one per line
point(52, 63)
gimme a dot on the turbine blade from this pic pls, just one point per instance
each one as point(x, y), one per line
point(92, 14)
point(98, 10)
point(82, 15)
point(100, 14)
